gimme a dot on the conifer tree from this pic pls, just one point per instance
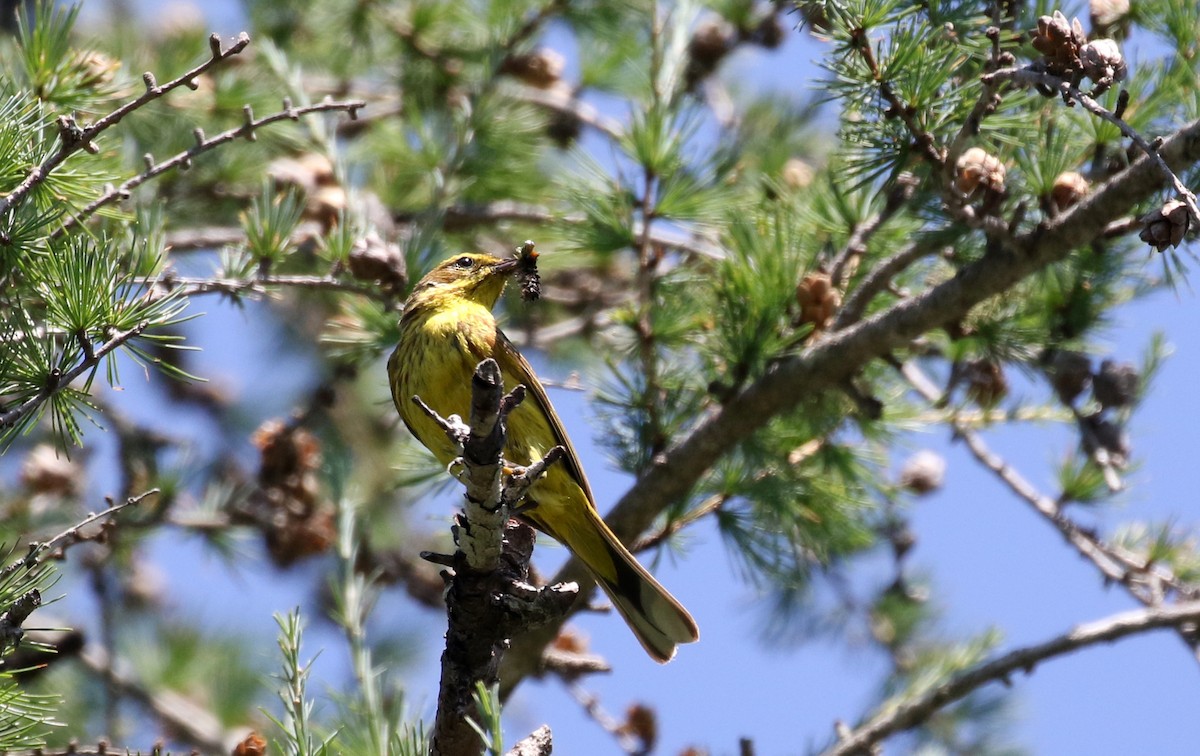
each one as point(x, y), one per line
point(763, 295)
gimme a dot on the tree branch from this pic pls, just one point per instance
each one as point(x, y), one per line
point(16, 414)
point(840, 355)
point(260, 284)
point(898, 716)
point(204, 144)
point(193, 723)
point(489, 598)
point(73, 138)
point(73, 534)
point(1071, 93)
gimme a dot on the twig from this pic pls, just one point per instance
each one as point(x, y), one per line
point(193, 723)
point(1028, 77)
point(1115, 565)
point(14, 415)
point(708, 506)
point(607, 722)
point(458, 217)
point(260, 284)
point(537, 743)
point(572, 107)
point(204, 144)
point(898, 716)
point(875, 281)
point(926, 143)
point(215, 237)
point(989, 98)
point(856, 246)
point(72, 534)
point(73, 137)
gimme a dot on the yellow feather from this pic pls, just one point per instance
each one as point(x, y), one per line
point(446, 330)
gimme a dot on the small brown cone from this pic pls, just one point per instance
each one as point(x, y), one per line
point(1059, 41)
point(1166, 226)
point(542, 68)
point(1069, 188)
point(977, 168)
point(252, 745)
point(986, 383)
point(1116, 384)
point(818, 300)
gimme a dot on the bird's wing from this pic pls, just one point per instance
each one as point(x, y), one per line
point(512, 363)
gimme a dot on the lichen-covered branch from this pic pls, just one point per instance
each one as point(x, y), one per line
point(488, 598)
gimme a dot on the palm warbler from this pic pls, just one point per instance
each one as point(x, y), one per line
point(446, 330)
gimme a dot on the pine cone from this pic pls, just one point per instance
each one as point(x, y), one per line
point(641, 723)
point(252, 745)
point(372, 259)
point(1166, 226)
point(1105, 440)
point(818, 300)
point(797, 173)
point(986, 383)
point(1103, 63)
point(45, 471)
point(542, 68)
point(1069, 188)
point(713, 39)
point(976, 168)
point(923, 472)
point(1116, 384)
point(288, 506)
point(96, 69)
point(1069, 374)
point(1059, 41)
point(1110, 18)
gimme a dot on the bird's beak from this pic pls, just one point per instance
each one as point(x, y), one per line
point(506, 265)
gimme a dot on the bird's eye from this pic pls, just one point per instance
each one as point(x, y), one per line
point(463, 262)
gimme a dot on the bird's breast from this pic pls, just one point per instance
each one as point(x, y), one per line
point(435, 359)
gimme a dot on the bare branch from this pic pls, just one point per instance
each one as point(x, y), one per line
point(193, 723)
point(73, 137)
point(73, 534)
point(262, 284)
point(203, 145)
point(898, 716)
point(876, 281)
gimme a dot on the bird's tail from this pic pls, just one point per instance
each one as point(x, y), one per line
point(656, 617)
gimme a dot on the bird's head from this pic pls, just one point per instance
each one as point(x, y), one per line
point(473, 277)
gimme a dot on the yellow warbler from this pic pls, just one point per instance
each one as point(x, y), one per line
point(446, 330)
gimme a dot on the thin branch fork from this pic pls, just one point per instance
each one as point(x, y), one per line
point(896, 717)
point(1116, 565)
point(73, 137)
point(90, 361)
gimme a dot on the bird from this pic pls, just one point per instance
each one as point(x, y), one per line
point(446, 329)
